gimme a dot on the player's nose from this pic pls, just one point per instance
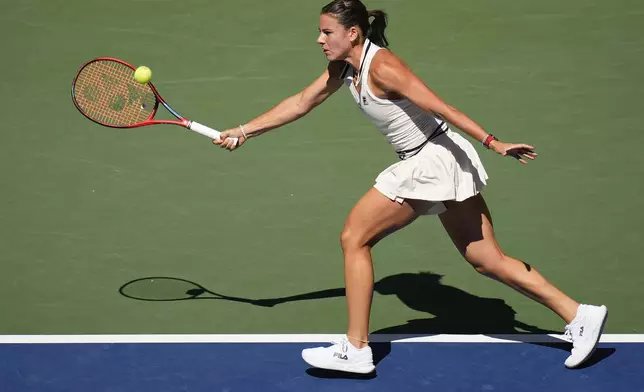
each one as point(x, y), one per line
point(320, 39)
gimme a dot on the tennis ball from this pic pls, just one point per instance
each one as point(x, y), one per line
point(143, 74)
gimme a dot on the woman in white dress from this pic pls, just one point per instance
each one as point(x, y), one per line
point(439, 173)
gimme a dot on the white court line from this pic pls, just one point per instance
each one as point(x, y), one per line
point(302, 338)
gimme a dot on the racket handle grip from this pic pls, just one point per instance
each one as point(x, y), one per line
point(206, 131)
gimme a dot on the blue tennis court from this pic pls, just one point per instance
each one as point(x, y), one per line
point(415, 366)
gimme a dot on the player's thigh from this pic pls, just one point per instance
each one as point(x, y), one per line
point(375, 216)
point(469, 225)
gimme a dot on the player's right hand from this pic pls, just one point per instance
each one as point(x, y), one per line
point(226, 139)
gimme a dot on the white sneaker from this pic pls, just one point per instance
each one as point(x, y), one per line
point(342, 356)
point(584, 332)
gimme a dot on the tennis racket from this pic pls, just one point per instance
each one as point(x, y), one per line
point(104, 90)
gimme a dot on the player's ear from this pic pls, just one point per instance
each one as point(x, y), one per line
point(354, 35)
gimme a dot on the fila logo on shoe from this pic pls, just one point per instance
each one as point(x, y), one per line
point(340, 356)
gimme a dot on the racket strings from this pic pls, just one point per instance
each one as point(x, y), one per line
point(106, 92)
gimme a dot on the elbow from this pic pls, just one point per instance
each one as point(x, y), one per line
point(302, 106)
point(301, 110)
point(447, 112)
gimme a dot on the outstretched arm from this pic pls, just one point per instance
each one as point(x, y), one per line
point(290, 109)
point(390, 74)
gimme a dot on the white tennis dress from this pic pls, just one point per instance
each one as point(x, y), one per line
point(436, 164)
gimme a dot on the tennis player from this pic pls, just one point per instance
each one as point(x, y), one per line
point(439, 173)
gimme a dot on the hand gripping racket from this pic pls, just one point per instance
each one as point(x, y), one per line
point(104, 90)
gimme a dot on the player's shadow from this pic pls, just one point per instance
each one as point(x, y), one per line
point(452, 311)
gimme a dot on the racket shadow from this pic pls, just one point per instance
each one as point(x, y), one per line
point(169, 289)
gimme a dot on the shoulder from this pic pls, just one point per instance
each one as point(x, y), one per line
point(388, 71)
point(385, 64)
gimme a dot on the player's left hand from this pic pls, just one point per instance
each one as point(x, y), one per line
point(520, 152)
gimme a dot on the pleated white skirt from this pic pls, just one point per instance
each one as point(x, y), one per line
point(447, 168)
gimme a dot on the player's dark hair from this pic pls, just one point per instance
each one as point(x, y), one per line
point(353, 13)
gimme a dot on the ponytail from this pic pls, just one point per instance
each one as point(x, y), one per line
point(377, 26)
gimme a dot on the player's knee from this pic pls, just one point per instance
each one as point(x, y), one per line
point(483, 269)
point(350, 239)
point(490, 266)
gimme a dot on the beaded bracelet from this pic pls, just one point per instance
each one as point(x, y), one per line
point(241, 127)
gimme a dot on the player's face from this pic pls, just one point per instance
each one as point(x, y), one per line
point(334, 38)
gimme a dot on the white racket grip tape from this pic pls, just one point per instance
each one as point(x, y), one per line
point(206, 131)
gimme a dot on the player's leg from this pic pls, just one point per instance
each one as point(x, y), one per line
point(374, 217)
point(371, 219)
point(469, 225)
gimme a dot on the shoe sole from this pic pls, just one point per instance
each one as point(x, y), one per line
point(601, 331)
point(340, 367)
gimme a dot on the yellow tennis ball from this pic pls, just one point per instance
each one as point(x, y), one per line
point(143, 74)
